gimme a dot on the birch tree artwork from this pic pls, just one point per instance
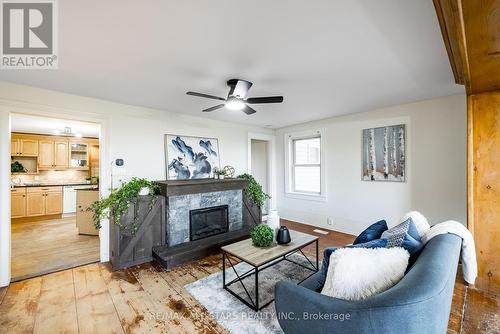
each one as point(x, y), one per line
point(384, 154)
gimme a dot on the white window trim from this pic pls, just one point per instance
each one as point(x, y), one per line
point(288, 144)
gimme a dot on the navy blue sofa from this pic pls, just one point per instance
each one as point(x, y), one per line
point(419, 303)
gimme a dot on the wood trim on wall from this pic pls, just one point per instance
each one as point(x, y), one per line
point(484, 185)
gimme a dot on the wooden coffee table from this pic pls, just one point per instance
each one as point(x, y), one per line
point(262, 258)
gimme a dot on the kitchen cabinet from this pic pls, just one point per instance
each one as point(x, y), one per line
point(18, 202)
point(79, 155)
point(35, 204)
point(27, 147)
point(42, 201)
point(56, 152)
point(46, 157)
point(94, 160)
point(53, 154)
point(61, 154)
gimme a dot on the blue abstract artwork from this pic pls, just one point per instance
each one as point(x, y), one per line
point(190, 157)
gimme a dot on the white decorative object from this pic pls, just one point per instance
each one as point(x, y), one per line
point(273, 221)
point(358, 273)
point(419, 220)
point(144, 191)
point(468, 254)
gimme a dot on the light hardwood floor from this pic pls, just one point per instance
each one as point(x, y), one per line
point(41, 247)
point(149, 299)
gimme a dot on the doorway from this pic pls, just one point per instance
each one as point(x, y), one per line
point(261, 165)
point(54, 179)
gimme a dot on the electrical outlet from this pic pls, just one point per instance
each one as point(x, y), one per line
point(329, 220)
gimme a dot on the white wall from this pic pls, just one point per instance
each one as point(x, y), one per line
point(259, 162)
point(436, 168)
point(135, 134)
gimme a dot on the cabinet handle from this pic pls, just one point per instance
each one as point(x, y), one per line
point(24, 195)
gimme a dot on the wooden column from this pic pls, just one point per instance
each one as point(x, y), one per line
point(484, 185)
point(472, 39)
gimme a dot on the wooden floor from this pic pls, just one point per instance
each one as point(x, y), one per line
point(40, 247)
point(148, 299)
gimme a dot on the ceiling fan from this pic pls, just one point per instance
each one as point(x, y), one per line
point(236, 99)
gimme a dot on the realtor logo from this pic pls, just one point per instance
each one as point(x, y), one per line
point(29, 34)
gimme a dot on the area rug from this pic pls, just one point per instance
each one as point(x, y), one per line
point(230, 312)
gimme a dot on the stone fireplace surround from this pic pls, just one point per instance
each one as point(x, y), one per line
point(182, 196)
point(179, 207)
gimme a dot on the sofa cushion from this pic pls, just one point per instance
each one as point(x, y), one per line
point(379, 243)
point(358, 273)
point(419, 220)
point(404, 235)
point(372, 232)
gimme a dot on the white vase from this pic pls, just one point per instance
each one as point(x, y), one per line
point(144, 191)
point(273, 221)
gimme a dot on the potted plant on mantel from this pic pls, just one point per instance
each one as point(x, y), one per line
point(254, 198)
point(134, 205)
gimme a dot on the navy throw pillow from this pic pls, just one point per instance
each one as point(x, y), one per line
point(373, 232)
point(379, 243)
point(404, 235)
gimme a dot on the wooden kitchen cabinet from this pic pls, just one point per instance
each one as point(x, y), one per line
point(24, 146)
point(42, 201)
point(61, 155)
point(35, 204)
point(18, 203)
point(46, 156)
point(54, 154)
point(53, 203)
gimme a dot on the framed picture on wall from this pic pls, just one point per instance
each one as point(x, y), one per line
point(384, 154)
point(189, 157)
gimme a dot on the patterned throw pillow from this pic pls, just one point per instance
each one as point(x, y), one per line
point(404, 235)
point(373, 232)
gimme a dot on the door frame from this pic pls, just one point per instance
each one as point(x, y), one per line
point(271, 162)
point(9, 107)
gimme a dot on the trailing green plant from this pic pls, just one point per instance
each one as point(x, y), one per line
point(118, 202)
point(254, 190)
point(262, 235)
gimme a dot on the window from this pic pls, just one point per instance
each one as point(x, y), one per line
point(305, 170)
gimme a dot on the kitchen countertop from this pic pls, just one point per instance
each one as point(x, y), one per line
point(55, 184)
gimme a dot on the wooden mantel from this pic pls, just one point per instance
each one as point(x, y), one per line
point(471, 33)
point(184, 187)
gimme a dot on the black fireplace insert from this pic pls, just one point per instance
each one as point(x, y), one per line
point(206, 222)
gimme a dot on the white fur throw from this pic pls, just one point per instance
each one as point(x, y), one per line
point(358, 273)
point(419, 220)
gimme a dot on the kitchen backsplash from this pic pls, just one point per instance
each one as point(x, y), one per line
point(66, 176)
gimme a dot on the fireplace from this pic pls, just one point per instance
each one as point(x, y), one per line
point(207, 222)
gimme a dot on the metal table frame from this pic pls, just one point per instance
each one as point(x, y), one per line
point(256, 269)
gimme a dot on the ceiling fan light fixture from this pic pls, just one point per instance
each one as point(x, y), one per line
point(235, 104)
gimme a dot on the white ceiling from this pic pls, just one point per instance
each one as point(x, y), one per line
point(326, 57)
point(45, 125)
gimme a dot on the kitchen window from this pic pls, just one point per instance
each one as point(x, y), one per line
point(305, 177)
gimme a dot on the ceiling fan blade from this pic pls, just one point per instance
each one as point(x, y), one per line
point(266, 99)
point(247, 110)
point(214, 108)
point(206, 95)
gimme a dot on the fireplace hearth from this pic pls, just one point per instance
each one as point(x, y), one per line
point(208, 222)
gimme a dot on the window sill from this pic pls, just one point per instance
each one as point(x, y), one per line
point(307, 197)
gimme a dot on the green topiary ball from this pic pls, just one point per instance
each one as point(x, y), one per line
point(262, 235)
